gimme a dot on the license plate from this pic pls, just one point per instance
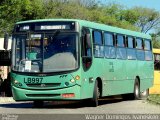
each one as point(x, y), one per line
point(30, 80)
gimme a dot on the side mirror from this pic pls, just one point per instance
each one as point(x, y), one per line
point(6, 38)
point(88, 40)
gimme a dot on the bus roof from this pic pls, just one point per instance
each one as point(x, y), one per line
point(95, 26)
point(156, 50)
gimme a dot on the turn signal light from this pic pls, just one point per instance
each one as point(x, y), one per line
point(77, 77)
point(68, 95)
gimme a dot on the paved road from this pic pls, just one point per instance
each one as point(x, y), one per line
point(107, 106)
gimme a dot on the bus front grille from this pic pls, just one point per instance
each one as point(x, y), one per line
point(42, 95)
point(44, 85)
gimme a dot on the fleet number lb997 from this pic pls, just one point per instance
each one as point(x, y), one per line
point(32, 80)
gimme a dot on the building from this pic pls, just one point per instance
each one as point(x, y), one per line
point(4, 59)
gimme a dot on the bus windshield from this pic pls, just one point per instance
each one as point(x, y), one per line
point(45, 52)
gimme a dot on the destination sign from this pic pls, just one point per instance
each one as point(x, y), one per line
point(24, 28)
point(54, 27)
point(45, 26)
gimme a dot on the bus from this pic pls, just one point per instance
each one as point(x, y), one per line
point(156, 87)
point(71, 59)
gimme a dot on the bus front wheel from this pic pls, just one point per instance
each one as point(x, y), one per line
point(96, 95)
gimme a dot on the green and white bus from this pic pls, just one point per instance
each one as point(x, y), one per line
point(70, 59)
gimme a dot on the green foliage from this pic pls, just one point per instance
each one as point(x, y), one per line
point(146, 18)
point(13, 11)
point(155, 40)
point(130, 15)
point(154, 98)
point(138, 19)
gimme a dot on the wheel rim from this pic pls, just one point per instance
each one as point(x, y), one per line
point(144, 93)
point(137, 90)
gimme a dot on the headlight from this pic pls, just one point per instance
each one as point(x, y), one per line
point(17, 83)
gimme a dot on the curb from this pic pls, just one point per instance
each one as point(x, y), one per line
point(6, 100)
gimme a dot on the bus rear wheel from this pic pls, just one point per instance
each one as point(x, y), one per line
point(136, 94)
point(144, 94)
point(38, 104)
point(96, 95)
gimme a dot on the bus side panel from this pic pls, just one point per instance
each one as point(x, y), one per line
point(87, 85)
point(117, 77)
point(147, 75)
point(131, 71)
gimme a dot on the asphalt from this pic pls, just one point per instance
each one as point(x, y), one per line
point(11, 100)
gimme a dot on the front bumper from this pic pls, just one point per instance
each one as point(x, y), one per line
point(46, 95)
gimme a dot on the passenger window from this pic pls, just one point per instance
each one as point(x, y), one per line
point(148, 52)
point(108, 39)
point(140, 51)
point(120, 41)
point(121, 51)
point(97, 37)
point(130, 42)
point(131, 53)
point(139, 43)
point(147, 45)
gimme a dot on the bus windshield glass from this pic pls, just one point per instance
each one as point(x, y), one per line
point(45, 52)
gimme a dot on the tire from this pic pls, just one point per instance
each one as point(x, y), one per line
point(38, 104)
point(144, 94)
point(96, 95)
point(136, 90)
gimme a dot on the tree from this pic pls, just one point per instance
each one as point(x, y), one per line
point(138, 19)
point(9, 14)
point(13, 11)
point(155, 40)
point(114, 16)
point(144, 18)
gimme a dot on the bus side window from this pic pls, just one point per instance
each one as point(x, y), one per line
point(139, 43)
point(121, 50)
point(108, 39)
point(131, 52)
point(98, 43)
point(120, 41)
point(140, 50)
point(147, 45)
point(148, 52)
point(109, 49)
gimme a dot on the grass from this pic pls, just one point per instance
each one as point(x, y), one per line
point(155, 98)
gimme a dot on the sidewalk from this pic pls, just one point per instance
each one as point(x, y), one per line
point(6, 100)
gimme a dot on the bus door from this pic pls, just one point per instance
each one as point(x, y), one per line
point(87, 72)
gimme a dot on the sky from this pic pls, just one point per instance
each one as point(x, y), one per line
point(153, 4)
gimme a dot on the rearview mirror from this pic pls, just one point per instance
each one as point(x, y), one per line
point(6, 38)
